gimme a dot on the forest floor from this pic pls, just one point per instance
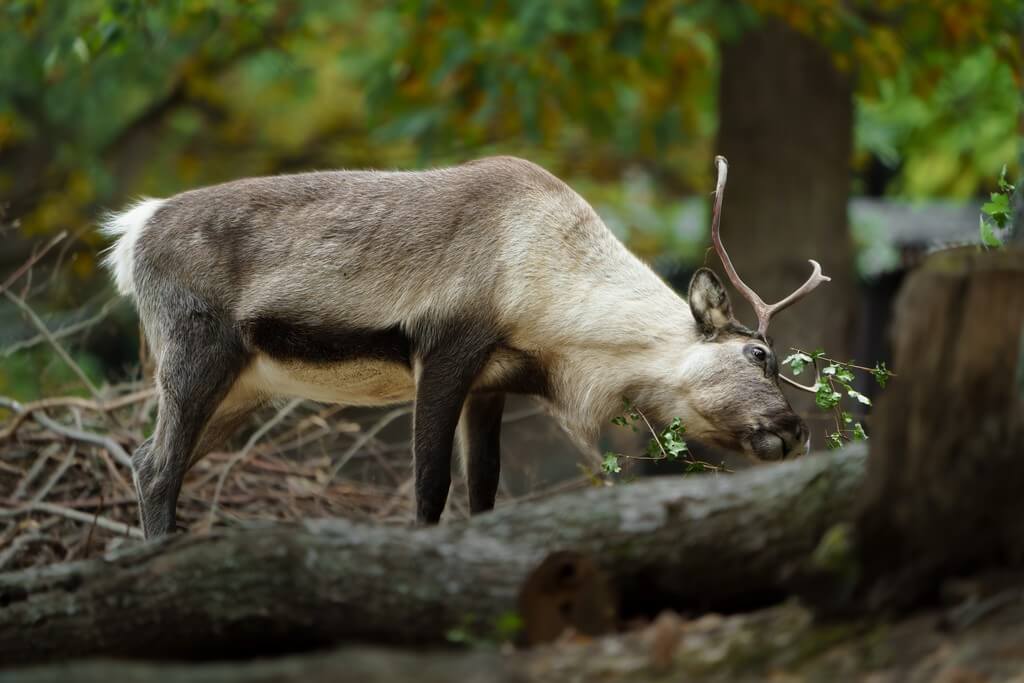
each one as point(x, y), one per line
point(66, 494)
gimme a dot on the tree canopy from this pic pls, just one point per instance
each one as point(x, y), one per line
point(102, 100)
point(106, 98)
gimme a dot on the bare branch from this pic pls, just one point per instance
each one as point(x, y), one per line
point(71, 329)
point(27, 265)
point(45, 331)
point(112, 446)
point(249, 445)
point(102, 522)
point(364, 438)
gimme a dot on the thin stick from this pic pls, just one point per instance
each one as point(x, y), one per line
point(34, 259)
point(34, 471)
point(651, 430)
point(23, 411)
point(839, 362)
point(112, 446)
point(102, 522)
point(104, 455)
point(664, 453)
point(62, 332)
point(45, 331)
point(37, 534)
point(241, 455)
point(383, 422)
point(87, 404)
point(56, 476)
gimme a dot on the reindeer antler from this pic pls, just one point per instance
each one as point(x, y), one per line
point(764, 311)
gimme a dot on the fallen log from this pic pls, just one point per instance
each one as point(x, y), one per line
point(978, 641)
point(709, 542)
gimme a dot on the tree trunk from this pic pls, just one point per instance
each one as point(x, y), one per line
point(700, 542)
point(785, 125)
point(947, 462)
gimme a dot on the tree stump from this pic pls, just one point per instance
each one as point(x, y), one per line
point(945, 476)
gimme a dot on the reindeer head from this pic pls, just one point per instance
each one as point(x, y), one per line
point(733, 370)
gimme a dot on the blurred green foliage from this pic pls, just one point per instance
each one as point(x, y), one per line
point(101, 100)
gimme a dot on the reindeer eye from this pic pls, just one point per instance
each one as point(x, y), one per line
point(756, 353)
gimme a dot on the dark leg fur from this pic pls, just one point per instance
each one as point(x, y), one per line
point(481, 436)
point(196, 369)
point(444, 382)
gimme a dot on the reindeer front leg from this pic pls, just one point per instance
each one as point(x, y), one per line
point(444, 378)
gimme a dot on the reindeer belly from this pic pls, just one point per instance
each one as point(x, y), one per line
point(356, 382)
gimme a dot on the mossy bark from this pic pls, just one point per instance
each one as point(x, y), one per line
point(693, 543)
point(783, 642)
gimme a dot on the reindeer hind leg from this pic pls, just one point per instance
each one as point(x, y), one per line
point(196, 369)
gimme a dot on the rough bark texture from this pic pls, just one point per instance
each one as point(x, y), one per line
point(698, 542)
point(947, 462)
point(785, 125)
point(984, 642)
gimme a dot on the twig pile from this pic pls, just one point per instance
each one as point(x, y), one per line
point(66, 487)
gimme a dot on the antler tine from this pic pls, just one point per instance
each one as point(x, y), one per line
point(760, 307)
point(763, 311)
point(806, 288)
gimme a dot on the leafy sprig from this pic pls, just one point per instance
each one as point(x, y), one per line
point(833, 380)
point(668, 444)
point(996, 213)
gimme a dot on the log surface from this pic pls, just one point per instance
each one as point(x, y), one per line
point(685, 543)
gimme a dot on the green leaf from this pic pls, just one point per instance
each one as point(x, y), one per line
point(881, 374)
point(672, 439)
point(1000, 203)
point(847, 418)
point(998, 209)
point(1004, 185)
point(988, 238)
point(844, 375)
point(859, 396)
point(858, 432)
point(508, 626)
point(830, 370)
point(834, 441)
point(797, 362)
point(825, 397)
point(610, 464)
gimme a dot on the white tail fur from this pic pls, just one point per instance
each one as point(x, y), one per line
point(126, 227)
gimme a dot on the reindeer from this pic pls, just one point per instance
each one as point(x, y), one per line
point(450, 288)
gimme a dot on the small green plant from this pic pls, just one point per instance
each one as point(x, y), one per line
point(668, 444)
point(996, 214)
point(476, 634)
point(833, 383)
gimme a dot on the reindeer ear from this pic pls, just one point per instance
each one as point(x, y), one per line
point(709, 302)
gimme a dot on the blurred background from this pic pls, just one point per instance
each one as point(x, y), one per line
point(859, 133)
